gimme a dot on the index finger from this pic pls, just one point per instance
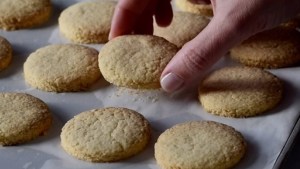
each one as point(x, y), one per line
point(126, 15)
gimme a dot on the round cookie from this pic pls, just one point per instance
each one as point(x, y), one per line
point(62, 68)
point(22, 118)
point(188, 6)
point(240, 92)
point(5, 53)
point(184, 27)
point(276, 48)
point(135, 61)
point(206, 145)
point(16, 14)
point(87, 22)
point(105, 135)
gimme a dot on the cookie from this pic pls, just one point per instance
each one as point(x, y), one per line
point(135, 61)
point(184, 27)
point(240, 91)
point(206, 145)
point(62, 68)
point(188, 6)
point(105, 135)
point(276, 48)
point(87, 22)
point(22, 118)
point(5, 53)
point(20, 14)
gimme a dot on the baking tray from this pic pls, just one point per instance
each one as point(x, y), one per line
point(269, 136)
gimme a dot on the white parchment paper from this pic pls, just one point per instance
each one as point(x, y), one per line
point(265, 134)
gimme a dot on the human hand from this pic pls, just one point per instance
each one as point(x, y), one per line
point(233, 22)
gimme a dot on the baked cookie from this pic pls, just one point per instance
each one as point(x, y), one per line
point(184, 27)
point(105, 135)
point(5, 53)
point(22, 118)
point(188, 6)
point(276, 48)
point(240, 91)
point(18, 14)
point(206, 145)
point(87, 22)
point(62, 68)
point(135, 61)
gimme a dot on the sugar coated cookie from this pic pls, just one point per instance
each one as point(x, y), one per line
point(18, 14)
point(62, 68)
point(105, 135)
point(135, 61)
point(188, 6)
point(240, 91)
point(5, 53)
point(276, 48)
point(184, 27)
point(87, 22)
point(22, 118)
point(199, 145)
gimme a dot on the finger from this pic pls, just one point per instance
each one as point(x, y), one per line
point(144, 24)
point(200, 1)
point(126, 15)
point(163, 13)
point(198, 55)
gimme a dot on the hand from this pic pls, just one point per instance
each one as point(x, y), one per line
point(233, 22)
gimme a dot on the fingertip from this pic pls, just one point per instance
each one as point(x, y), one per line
point(171, 82)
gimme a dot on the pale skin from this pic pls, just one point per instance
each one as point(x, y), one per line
point(233, 22)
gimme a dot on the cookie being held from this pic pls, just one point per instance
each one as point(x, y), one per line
point(188, 6)
point(22, 118)
point(62, 68)
point(135, 61)
point(200, 145)
point(87, 22)
point(240, 92)
point(184, 27)
point(5, 53)
point(20, 14)
point(106, 134)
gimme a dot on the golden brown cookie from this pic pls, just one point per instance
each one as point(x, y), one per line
point(19, 14)
point(188, 6)
point(240, 92)
point(22, 118)
point(5, 53)
point(62, 68)
point(135, 61)
point(276, 48)
point(105, 135)
point(87, 22)
point(184, 27)
point(199, 145)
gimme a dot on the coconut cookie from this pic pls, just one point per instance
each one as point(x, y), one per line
point(18, 14)
point(105, 135)
point(87, 22)
point(199, 145)
point(240, 92)
point(5, 53)
point(276, 48)
point(188, 6)
point(183, 28)
point(62, 68)
point(22, 118)
point(135, 61)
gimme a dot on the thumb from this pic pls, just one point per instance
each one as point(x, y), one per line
point(199, 54)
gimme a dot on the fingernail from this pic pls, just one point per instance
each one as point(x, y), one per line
point(171, 82)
